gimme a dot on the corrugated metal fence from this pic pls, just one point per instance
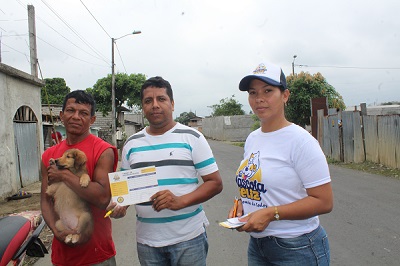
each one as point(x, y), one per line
point(352, 137)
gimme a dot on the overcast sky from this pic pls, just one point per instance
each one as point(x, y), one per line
point(205, 47)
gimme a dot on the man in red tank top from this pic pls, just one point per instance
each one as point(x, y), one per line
point(78, 113)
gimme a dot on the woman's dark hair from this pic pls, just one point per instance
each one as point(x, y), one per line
point(157, 82)
point(81, 96)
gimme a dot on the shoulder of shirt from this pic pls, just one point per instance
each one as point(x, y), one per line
point(136, 135)
point(183, 129)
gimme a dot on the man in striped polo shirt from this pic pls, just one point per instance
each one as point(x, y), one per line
point(170, 229)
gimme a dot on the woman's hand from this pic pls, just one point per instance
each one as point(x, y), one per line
point(236, 210)
point(257, 221)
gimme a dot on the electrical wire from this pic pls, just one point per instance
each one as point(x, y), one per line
point(120, 57)
point(353, 67)
point(99, 56)
point(26, 56)
point(95, 19)
point(44, 22)
point(73, 30)
point(68, 53)
point(48, 103)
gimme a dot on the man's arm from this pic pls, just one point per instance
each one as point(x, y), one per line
point(211, 186)
point(98, 191)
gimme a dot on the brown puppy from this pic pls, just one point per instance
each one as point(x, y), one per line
point(73, 211)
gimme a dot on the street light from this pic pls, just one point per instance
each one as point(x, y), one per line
point(294, 57)
point(113, 112)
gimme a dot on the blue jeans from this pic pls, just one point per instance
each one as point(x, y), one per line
point(189, 253)
point(308, 249)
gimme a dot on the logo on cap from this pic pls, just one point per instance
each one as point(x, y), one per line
point(261, 69)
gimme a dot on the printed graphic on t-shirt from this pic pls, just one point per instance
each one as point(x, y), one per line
point(248, 178)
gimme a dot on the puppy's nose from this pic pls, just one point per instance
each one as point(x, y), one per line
point(56, 161)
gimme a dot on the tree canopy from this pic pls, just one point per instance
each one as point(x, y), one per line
point(304, 87)
point(227, 107)
point(54, 90)
point(185, 117)
point(127, 91)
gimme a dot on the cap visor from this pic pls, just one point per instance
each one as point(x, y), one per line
point(245, 82)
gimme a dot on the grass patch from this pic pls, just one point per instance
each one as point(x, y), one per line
point(369, 167)
point(239, 144)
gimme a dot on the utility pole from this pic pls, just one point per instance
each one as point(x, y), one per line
point(114, 126)
point(113, 111)
point(32, 40)
point(294, 57)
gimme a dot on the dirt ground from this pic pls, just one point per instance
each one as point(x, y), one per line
point(27, 204)
point(20, 205)
point(15, 206)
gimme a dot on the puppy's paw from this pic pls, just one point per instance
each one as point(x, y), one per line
point(68, 239)
point(84, 180)
point(75, 239)
point(52, 161)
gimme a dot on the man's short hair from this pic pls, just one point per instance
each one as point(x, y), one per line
point(81, 97)
point(157, 82)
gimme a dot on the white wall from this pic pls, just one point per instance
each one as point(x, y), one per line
point(16, 89)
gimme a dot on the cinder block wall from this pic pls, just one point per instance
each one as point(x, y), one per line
point(228, 128)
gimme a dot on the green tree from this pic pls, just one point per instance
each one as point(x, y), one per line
point(54, 90)
point(304, 87)
point(185, 117)
point(127, 91)
point(390, 103)
point(227, 107)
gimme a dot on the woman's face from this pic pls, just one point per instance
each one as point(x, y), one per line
point(267, 101)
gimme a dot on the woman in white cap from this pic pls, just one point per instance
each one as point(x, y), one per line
point(283, 179)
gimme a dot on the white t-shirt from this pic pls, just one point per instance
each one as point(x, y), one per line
point(277, 169)
point(181, 156)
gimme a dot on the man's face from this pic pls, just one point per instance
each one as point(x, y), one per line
point(157, 107)
point(77, 117)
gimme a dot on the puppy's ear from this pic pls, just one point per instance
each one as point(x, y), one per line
point(80, 158)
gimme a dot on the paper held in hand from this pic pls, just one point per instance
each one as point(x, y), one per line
point(133, 186)
point(233, 223)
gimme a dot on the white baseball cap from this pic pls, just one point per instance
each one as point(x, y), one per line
point(267, 72)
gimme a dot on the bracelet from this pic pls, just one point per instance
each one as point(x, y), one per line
point(276, 216)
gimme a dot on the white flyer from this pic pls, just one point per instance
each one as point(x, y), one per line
point(133, 186)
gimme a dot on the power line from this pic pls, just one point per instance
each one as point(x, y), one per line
point(95, 19)
point(80, 48)
point(67, 53)
point(74, 31)
point(71, 41)
point(120, 57)
point(15, 35)
point(26, 56)
point(352, 67)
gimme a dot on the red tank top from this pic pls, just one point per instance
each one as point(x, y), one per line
point(101, 246)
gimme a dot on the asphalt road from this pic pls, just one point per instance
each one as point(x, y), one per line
point(363, 228)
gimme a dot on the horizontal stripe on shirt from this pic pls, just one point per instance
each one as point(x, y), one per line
point(177, 181)
point(158, 147)
point(169, 219)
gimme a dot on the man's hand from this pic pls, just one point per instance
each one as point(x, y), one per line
point(54, 174)
point(165, 199)
point(117, 211)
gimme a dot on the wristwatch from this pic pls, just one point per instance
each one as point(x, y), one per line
point(276, 216)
